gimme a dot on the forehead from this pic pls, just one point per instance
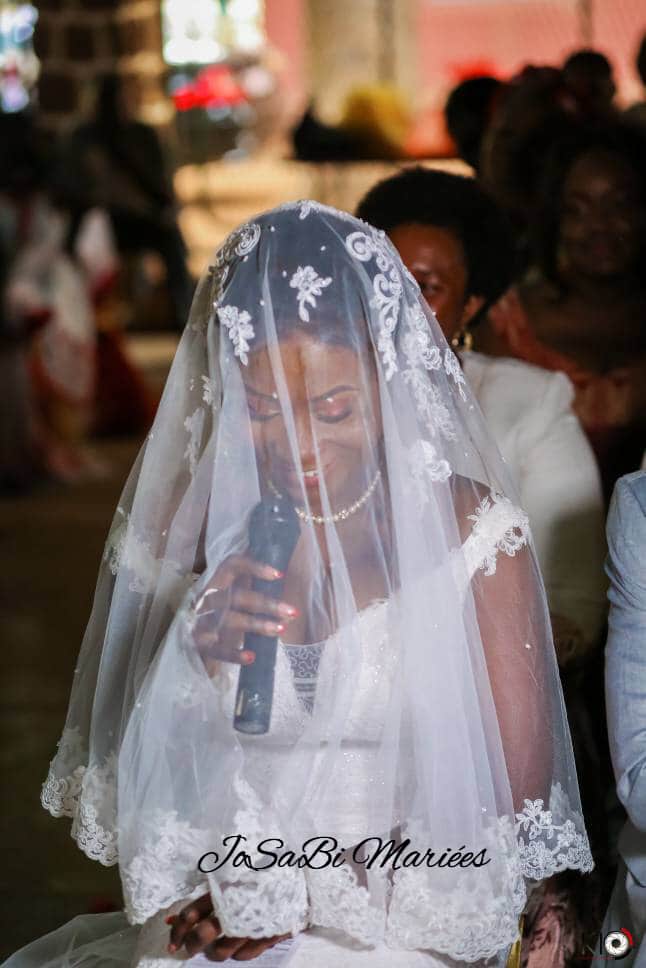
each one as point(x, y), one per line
point(601, 170)
point(306, 362)
point(430, 242)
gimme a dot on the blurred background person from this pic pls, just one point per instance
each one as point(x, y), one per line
point(588, 75)
point(116, 163)
point(626, 703)
point(376, 123)
point(532, 110)
point(20, 173)
point(315, 141)
point(582, 306)
point(468, 112)
point(46, 305)
point(123, 404)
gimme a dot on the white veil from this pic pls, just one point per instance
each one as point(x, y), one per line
point(428, 707)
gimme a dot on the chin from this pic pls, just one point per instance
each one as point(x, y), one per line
point(606, 272)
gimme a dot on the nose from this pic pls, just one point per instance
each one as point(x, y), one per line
point(305, 438)
point(598, 222)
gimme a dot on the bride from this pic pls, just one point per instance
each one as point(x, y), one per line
point(392, 795)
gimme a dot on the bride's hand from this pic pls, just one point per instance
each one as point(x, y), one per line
point(228, 608)
point(198, 929)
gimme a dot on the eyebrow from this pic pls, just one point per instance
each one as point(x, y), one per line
point(323, 396)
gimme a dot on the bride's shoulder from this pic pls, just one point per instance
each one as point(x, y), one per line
point(488, 522)
point(468, 494)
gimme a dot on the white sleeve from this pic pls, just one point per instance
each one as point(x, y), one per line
point(560, 490)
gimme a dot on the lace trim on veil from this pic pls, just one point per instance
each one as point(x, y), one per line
point(87, 794)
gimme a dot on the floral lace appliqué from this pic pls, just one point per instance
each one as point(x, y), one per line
point(426, 466)
point(549, 839)
point(422, 358)
point(209, 390)
point(165, 867)
point(387, 288)
point(307, 206)
point(498, 526)
point(238, 324)
point(454, 370)
point(337, 900)
point(256, 904)
point(194, 425)
point(310, 286)
point(237, 245)
point(468, 921)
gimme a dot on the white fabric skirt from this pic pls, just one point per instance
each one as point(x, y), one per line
point(108, 941)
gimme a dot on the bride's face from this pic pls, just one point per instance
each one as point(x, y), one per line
point(334, 403)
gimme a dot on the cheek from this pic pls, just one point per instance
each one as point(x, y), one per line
point(264, 435)
point(365, 429)
point(447, 307)
point(571, 228)
point(442, 306)
point(258, 444)
point(351, 438)
point(573, 239)
point(626, 232)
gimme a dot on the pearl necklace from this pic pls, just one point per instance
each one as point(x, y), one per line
point(341, 515)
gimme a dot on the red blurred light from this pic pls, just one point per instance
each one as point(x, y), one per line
point(214, 87)
point(465, 70)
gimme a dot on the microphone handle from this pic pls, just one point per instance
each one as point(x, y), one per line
point(256, 681)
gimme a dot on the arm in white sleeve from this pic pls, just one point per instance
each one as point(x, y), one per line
point(560, 490)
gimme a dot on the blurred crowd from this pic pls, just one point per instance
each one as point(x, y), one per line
point(86, 222)
point(535, 268)
point(568, 171)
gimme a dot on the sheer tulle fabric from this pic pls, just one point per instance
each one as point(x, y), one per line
point(437, 714)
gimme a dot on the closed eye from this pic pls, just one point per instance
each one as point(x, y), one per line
point(262, 407)
point(334, 409)
point(429, 284)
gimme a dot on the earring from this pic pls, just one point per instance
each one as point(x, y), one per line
point(462, 339)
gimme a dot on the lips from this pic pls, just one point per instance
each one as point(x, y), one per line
point(311, 478)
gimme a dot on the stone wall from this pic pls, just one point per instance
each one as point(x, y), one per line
point(77, 40)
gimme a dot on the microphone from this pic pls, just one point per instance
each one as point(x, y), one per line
point(273, 533)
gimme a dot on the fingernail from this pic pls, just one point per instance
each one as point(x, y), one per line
point(288, 610)
point(247, 657)
point(278, 574)
point(280, 628)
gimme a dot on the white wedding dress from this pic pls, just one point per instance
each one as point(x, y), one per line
point(109, 941)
